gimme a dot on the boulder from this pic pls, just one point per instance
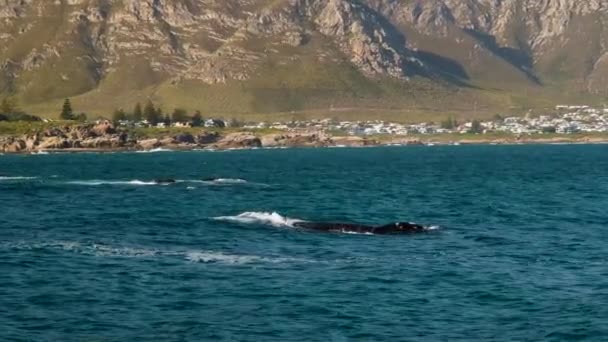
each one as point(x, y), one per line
point(239, 140)
point(56, 142)
point(295, 139)
point(351, 141)
point(206, 138)
point(17, 145)
point(167, 142)
point(105, 128)
point(54, 132)
point(105, 142)
point(148, 144)
point(185, 138)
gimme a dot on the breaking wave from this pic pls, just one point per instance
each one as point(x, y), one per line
point(155, 150)
point(226, 181)
point(137, 182)
point(7, 178)
point(272, 219)
point(109, 182)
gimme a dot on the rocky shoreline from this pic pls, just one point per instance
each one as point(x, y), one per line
point(105, 138)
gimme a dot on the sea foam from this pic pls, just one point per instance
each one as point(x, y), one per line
point(7, 178)
point(266, 218)
point(134, 182)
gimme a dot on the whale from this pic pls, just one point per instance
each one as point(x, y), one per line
point(166, 181)
point(392, 228)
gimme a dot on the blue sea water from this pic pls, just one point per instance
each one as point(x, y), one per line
point(90, 250)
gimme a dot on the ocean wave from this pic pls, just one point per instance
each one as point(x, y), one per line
point(273, 219)
point(155, 150)
point(226, 181)
point(9, 178)
point(135, 182)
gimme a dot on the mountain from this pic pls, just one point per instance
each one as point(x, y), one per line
point(252, 57)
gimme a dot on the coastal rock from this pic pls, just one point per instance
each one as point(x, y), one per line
point(295, 139)
point(14, 146)
point(185, 138)
point(148, 144)
point(57, 142)
point(352, 141)
point(105, 128)
point(238, 140)
point(101, 143)
point(206, 138)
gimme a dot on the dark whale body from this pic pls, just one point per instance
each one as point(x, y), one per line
point(393, 228)
point(165, 181)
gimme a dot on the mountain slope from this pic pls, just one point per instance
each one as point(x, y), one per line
point(256, 56)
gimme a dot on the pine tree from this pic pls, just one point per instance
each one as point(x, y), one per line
point(179, 115)
point(119, 115)
point(450, 123)
point(151, 114)
point(167, 120)
point(137, 113)
point(197, 119)
point(476, 127)
point(66, 112)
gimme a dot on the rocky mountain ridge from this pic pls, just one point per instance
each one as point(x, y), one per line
point(60, 48)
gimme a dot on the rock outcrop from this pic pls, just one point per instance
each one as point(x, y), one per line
point(238, 141)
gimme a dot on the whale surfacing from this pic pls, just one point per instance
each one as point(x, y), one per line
point(393, 228)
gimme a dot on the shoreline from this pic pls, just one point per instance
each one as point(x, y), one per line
point(199, 148)
point(104, 138)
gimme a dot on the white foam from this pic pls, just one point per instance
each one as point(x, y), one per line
point(39, 153)
point(100, 250)
point(273, 219)
point(235, 259)
point(16, 178)
point(229, 181)
point(217, 257)
point(155, 150)
point(135, 182)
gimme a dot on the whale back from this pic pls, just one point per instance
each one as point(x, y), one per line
point(399, 228)
point(335, 227)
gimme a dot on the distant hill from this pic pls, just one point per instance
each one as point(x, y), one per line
point(251, 58)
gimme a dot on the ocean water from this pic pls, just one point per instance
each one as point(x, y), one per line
point(92, 250)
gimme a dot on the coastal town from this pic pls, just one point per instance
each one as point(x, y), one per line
point(180, 131)
point(565, 119)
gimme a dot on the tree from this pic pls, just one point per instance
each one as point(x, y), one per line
point(476, 127)
point(450, 123)
point(8, 106)
point(66, 112)
point(179, 115)
point(137, 113)
point(197, 119)
point(151, 114)
point(167, 120)
point(81, 117)
point(119, 115)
